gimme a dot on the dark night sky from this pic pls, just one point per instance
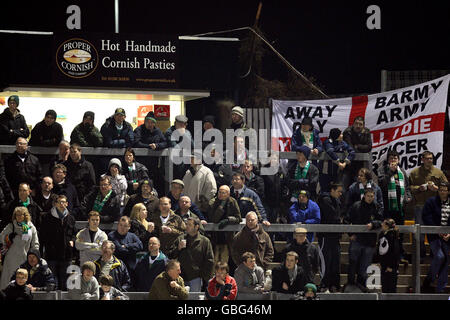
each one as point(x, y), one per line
point(327, 40)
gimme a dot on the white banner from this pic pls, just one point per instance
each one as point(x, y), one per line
point(409, 120)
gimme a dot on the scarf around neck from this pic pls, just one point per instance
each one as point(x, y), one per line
point(394, 204)
point(300, 175)
point(99, 203)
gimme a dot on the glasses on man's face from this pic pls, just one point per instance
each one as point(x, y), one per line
point(104, 185)
point(428, 158)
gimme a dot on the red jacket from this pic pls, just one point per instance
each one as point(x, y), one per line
point(214, 288)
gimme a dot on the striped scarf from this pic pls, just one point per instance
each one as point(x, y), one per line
point(310, 143)
point(300, 175)
point(445, 213)
point(392, 192)
point(99, 203)
point(362, 188)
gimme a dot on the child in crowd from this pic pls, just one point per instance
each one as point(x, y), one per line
point(222, 286)
point(86, 286)
point(107, 291)
point(17, 289)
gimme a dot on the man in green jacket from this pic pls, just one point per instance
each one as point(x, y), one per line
point(85, 133)
point(196, 256)
point(169, 285)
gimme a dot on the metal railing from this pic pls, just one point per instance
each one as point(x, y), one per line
point(416, 229)
point(270, 296)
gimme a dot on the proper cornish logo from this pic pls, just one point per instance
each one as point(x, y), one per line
point(77, 58)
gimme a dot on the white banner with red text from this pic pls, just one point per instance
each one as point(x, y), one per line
point(409, 120)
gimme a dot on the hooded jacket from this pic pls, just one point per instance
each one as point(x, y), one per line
point(112, 138)
point(10, 127)
point(86, 136)
point(46, 136)
point(42, 278)
point(119, 183)
point(308, 214)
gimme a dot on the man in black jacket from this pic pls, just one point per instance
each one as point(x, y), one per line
point(308, 254)
point(289, 276)
point(62, 186)
point(330, 213)
point(22, 167)
point(252, 180)
point(102, 200)
point(12, 123)
point(80, 172)
point(48, 132)
point(147, 135)
point(57, 238)
point(394, 184)
point(362, 245)
point(302, 175)
point(116, 132)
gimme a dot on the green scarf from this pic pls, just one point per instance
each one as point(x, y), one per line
point(26, 203)
point(25, 227)
point(311, 138)
point(99, 203)
point(300, 175)
point(392, 192)
point(362, 188)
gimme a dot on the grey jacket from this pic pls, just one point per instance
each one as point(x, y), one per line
point(249, 281)
point(89, 290)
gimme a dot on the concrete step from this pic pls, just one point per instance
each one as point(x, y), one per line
point(279, 246)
